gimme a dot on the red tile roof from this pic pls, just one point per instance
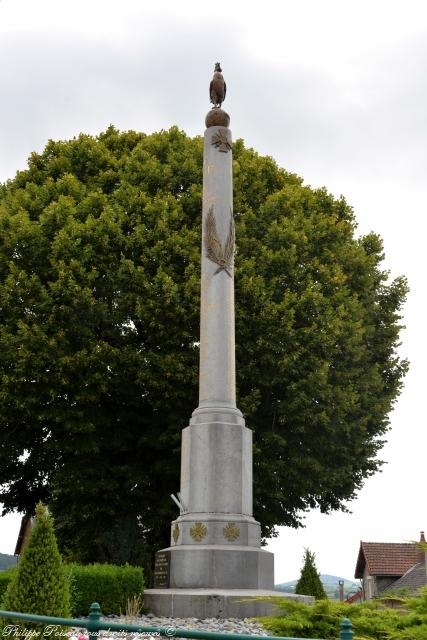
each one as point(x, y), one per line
point(355, 597)
point(413, 579)
point(386, 558)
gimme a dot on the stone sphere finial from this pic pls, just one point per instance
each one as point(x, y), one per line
point(216, 117)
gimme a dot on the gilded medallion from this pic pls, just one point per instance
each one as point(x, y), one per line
point(198, 531)
point(175, 533)
point(231, 531)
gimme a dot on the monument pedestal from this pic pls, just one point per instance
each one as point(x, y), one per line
point(215, 566)
point(221, 567)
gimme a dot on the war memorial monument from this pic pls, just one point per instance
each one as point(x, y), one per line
point(215, 566)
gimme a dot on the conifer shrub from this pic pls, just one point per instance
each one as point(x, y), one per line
point(309, 583)
point(39, 584)
point(373, 620)
point(110, 585)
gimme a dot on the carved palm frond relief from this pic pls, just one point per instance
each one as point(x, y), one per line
point(214, 251)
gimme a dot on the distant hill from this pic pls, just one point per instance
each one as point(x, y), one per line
point(330, 584)
point(6, 561)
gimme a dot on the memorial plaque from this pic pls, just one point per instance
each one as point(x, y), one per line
point(162, 570)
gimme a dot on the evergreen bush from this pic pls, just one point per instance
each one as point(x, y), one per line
point(373, 620)
point(110, 585)
point(39, 584)
point(309, 583)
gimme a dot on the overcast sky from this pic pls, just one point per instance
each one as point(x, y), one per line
point(335, 91)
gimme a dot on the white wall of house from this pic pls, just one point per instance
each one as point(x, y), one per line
point(369, 584)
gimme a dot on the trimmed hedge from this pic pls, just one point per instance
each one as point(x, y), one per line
point(5, 578)
point(108, 584)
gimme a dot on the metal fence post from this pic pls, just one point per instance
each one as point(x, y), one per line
point(93, 619)
point(346, 627)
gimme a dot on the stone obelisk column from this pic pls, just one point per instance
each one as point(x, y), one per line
point(215, 542)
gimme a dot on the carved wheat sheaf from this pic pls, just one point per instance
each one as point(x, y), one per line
point(223, 257)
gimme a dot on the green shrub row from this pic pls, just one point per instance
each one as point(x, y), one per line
point(110, 585)
point(5, 578)
point(375, 620)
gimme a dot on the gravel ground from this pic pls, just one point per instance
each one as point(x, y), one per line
point(230, 625)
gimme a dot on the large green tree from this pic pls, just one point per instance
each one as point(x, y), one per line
point(99, 304)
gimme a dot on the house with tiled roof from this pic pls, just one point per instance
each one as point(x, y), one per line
point(27, 522)
point(413, 579)
point(391, 565)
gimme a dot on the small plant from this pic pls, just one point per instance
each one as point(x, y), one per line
point(134, 606)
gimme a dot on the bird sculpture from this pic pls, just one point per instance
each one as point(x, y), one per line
point(217, 87)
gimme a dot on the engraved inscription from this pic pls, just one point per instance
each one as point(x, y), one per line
point(162, 570)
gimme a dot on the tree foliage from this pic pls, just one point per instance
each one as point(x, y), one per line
point(309, 583)
point(39, 585)
point(99, 304)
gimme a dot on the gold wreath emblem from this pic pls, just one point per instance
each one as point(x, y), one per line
point(198, 531)
point(175, 533)
point(214, 251)
point(220, 141)
point(231, 531)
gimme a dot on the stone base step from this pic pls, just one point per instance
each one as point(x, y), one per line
point(216, 603)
